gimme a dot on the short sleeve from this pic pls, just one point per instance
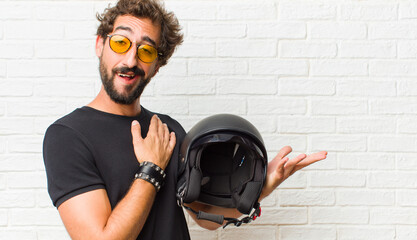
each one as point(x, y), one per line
point(69, 163)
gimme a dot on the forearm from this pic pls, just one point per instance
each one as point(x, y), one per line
point(89, 215)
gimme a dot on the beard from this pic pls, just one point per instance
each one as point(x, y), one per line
point(131, 92)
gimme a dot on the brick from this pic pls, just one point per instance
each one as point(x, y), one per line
point(2, 144)
point(406, 161)
point(51, 234)
point(81, 30)
point(27, 180)
point(175, 67)
point(365, 198)
point(16, 49)
point(166, 105)
point(366, 161)
point(297, 180)
point(331, 30)
point(407, 10)
point(3, 181)
point(17, 199)
point(2, 108)
point(390, 216)
point(217, 67)
point(370, 49)
point(203, 234)
point(306, 125)
point(16, 88)
point(307, 11)
point(25, 144)
point(35, 217)
point(338, 143)
point(407, 125)
point(247, 48)
point(306, 198)
point(337, 179)
point(36, 68)
point(365, 88)
point(3, 219)
point(407, 49)
point(1, 30)
point(8, 11)
point(16, 126)
point(33, 30)
point(393, 106)
point(246, 10)
point(197, 49)
point(407, 88)
point(307, 232)
point(83, 68)
point(195, 10)
point(392, 68)
point(392, 30)
point(288, 215)
point(390, 179)
point(249, 233)
point(203, 106)
point(39, 107)
point(407, 198)
point(277, 30)
point(339, 107)
point(64, 88)
point(303, 87)
point(336, 215)
point(366, 125)
point(406, 233)
point(275, 142)
point(280, 106)
point(279, 67)
point(201, 85)
point(21, 162)
point(12, 234)
point(393, 143)
point(64, 11)
point(338, 68)
point(369, 12)
point(307, 49)
point(3, 68)
point(215, 30)
point(365, 233)
point(253, 85)
point(65, 49)
point(42, 198)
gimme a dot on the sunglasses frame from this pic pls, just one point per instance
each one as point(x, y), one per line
point(158, 54)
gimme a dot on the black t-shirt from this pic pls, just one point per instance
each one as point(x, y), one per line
point(89, 149)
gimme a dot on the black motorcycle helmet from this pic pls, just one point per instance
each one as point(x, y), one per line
point(223, 162)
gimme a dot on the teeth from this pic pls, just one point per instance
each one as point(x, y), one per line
point(126, 75)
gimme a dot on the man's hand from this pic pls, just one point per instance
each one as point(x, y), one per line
point(281, 167)
point(158, 144)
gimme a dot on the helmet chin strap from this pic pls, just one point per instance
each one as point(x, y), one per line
point(219, 219)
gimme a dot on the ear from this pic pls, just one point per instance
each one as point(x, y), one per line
point(99, 46)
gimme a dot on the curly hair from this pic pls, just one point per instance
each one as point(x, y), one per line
point(171, 35)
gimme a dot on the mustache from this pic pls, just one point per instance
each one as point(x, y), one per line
point(124, 70)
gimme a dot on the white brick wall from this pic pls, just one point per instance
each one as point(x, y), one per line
point(327, 75)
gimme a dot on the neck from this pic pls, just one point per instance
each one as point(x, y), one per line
point(104, 103)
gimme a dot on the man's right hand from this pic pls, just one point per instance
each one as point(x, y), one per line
point(157, 146)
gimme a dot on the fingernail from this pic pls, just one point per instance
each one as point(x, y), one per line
point(135, 123)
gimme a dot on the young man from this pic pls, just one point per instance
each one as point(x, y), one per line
point(95, 173)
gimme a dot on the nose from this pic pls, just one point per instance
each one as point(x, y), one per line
point(130, 59)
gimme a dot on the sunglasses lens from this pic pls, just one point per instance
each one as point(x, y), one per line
point(119, 44)
point(147, 53)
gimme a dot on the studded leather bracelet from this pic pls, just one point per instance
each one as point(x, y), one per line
point(151, 173)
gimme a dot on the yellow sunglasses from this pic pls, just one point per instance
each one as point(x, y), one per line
point(121, 44)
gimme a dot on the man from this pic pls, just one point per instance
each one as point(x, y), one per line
point(95, 173)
